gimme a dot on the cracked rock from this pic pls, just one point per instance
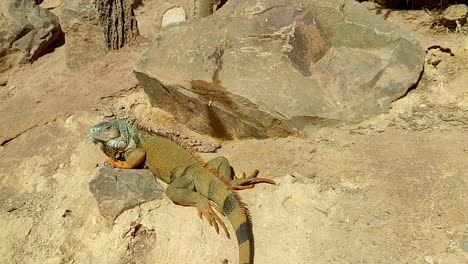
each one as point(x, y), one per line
point(455, 15)
point(118, 190)
point(268, 70)
point(27, 31)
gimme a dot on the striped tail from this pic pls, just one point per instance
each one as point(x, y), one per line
point(236, 211)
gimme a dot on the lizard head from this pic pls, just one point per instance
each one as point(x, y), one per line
point(105, 131)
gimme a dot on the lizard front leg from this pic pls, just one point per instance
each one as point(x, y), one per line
point(181, 192)
point(133, 160)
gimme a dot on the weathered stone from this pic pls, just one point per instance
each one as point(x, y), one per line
point(464, 245)
point(150, 16)
point(93, 27)
point(260, 70)
point(413, 4)
point(27, 31)
point(454, 15)
point(119, 190)
point(85, 39)
point(173, 16)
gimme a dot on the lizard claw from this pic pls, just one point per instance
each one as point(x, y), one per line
point(109, 163)
point(244, 182)
point(253, 175)
point(216, 207)
point(212, 218)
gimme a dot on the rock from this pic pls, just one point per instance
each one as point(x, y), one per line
point(50, 4)
point(27, 32)
point(454, 15)
point(93, 28)
point(270, 69)
point(173, 16)
point(428, 260)
point(85, 39)
point(382, 125)
point(464, 245)
point(119, 190)
point(70, 120)
point(287, 179)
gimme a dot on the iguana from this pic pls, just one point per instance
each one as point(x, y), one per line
point(191, 181)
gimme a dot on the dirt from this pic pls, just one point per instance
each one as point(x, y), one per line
point(391, 189)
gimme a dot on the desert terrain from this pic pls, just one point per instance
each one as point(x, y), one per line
point(389, 189)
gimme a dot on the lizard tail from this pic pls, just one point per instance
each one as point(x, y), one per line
point(236, 211)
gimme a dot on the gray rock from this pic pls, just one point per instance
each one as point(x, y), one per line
point(454, 15)
point(119, 190)
point(27, 31)
point(464, 245)
point(85, 39)
point(262, 70)
point(173, 16)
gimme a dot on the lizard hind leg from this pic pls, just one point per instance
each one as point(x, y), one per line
point(181, 192)
point(238, 183)
point(222, 165)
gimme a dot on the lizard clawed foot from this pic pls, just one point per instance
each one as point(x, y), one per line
point(249, 182)
point(110, 163)
point(117, 164)
point(212, 218)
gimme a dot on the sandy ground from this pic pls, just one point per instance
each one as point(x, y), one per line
point(392, 189)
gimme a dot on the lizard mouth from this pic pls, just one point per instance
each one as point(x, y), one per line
point(98, 134)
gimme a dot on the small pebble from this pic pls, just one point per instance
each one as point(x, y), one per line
point(464, 245)
point(428, 260)
point(70, 120)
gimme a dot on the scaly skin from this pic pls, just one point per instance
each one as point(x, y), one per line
point(192, 182)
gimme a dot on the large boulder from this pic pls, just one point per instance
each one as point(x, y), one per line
point(27, 31)
point(266, 68)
